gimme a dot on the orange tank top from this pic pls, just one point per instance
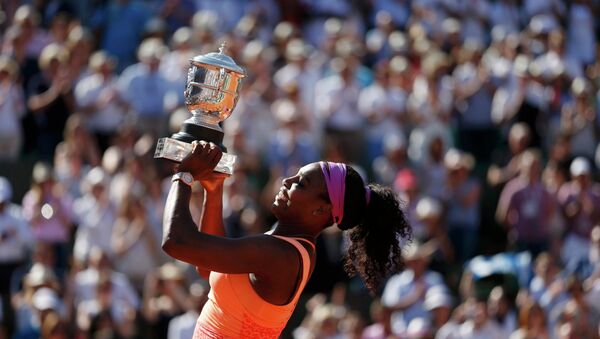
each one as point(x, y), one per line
point(235, 310)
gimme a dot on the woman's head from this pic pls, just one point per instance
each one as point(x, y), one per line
point(531, 315)
point(326, 193)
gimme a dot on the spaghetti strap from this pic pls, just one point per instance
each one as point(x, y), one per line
point(305, 241)
point(305, 261)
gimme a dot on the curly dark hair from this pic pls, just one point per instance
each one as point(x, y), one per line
point(375, 230)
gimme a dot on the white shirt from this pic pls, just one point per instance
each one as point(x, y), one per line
point(90, 90)
point(505, 15)
point(384, 106)
point(400, 287)
point(12, 109)
point(490, 330)
point(182, 326)
point(581, 37)
point(144, 91)
point(95, 220)
point(15, 235)
point(87, 280)
point(336, 103)
point(419, 101)
point(304, 77)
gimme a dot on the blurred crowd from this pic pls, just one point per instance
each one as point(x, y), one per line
point(481, 114)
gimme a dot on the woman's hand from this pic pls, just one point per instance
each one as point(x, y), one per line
point(202, 160)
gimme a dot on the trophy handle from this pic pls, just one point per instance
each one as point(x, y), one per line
point(175, 150)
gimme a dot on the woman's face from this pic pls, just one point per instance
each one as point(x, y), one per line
point(301, 195)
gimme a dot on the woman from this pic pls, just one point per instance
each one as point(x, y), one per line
point(532, 322)
point(256, 281)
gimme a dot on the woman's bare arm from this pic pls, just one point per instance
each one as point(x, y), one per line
point(181, 240)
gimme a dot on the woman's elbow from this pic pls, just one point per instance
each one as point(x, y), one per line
point(171, 246)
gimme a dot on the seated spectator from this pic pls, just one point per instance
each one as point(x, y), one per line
point(120, 313)
point(381, 328)
point(39, 277)
point(394, 160)
point(430, 214)
point(575, 309)
point(406, 184)
point(50, 213)
point(182, 326)
point(405, 292)
point(86, 281)
point(95, 215)
point(532, 322)
point(133, 242)
point(450, 329)
point(478, 323)
point(501, 309)
point(438, 302)
point(164, 298)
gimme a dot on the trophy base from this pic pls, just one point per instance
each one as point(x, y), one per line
point(190, 132)
point(175, 150)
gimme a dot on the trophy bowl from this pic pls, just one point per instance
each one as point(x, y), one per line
point(211, 93)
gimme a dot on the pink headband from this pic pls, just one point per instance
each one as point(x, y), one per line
point(335, 179)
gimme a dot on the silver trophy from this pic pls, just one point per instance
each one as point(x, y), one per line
point(211, 93)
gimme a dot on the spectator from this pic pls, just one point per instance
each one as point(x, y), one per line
point(119, 27)
point(99, 100)
point(518, 141)
point(164, 298)
point(15, 244)
point(50, 99)
point(133, 241)
point(26, 306)
point(382, 107)
point(99, 267)
point(434, 171)
point(526, 207)
point(182, 326)
point(532, 322)
point(578, 119)
point(479, 324)
point(174, 65)
point(393, 161)
point(95, 215)
point(342, 121)
point(143, 80)
point(382, 323)
point(500, 308)
point(404, 293)
point(290, 146)
point(580, 30)
point(50, 213)
point(450, 329)
point(473, 94)
point(29, 21)
point(576, 199)
point(117, 312)
point(430, 214)
point(461, 195)
point(439, 303)
point(12, 109)
point(406, 185)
